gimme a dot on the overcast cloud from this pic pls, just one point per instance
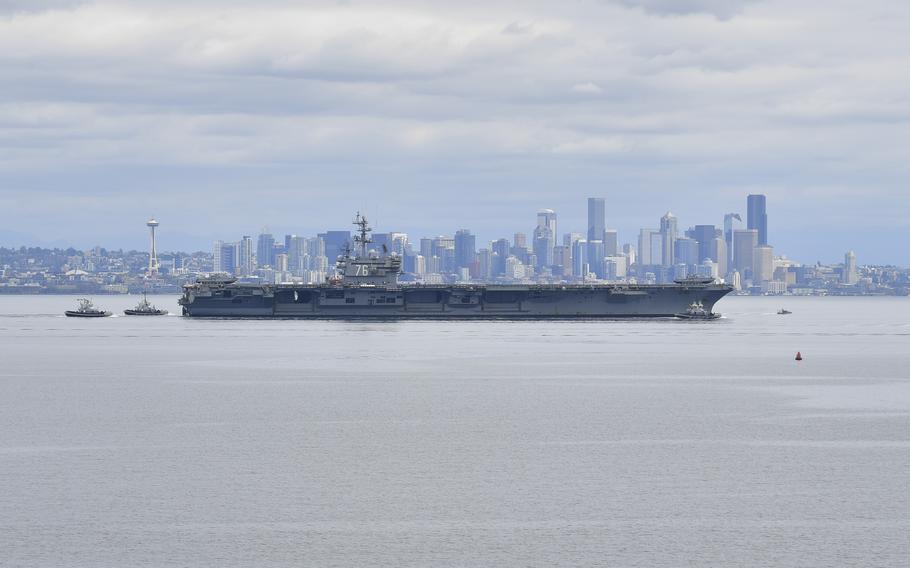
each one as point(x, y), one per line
point(224, 117)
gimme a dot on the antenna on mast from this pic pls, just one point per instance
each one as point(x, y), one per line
point(363, 239)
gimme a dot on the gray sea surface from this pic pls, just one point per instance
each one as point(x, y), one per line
point(169, 441)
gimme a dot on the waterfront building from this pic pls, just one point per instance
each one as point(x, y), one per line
point(773, 287)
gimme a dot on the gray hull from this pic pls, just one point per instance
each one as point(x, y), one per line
point(447, 302)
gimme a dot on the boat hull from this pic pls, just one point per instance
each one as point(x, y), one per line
point(447, 302)
point(75, 314)
point(143, 313)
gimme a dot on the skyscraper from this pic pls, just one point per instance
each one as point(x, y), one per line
point(728, 235)
point(757, 216)
point(296, 254)
point(247, 265)
point(596, 216)
point(686, 252)
point(444, 251)
point(849, 276)
point(580, 267)
point(426, 248)
point(668, 234)
point(224, 256)
point(744, 243)
point(465, 248)
point(265, 250)
point(335, 242)
point(611, 242)
point(400, 243)
point(501, 251)
point(547, 218)
point(657, 249)
point(705, 234)
point(595, 257)
point(545, 237)
point(645, 256)
point(485, 264)
point(719, 253)
point(762, 263)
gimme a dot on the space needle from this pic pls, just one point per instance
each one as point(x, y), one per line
point(153, 253)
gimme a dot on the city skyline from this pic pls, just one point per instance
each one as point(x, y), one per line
point(215, 116)
point(571, 224)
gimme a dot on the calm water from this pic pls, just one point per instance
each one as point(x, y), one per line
point(176, 442)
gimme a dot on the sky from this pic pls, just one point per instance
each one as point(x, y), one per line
point(222, 118)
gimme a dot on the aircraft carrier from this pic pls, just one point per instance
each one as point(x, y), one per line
point(368, 287)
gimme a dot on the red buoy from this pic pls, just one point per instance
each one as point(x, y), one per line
point(799, 356)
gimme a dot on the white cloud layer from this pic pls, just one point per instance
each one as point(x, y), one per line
point(440, 115)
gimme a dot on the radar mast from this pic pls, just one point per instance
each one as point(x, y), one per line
point(363, 239)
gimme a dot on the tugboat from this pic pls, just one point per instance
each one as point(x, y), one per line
point(696, 310)
point(143, 308)
point(783, 312)
point(86, 310)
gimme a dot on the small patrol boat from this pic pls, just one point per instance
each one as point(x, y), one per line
point(144, 308)
point(783, 312)
point(86, 310)
point(696, 310)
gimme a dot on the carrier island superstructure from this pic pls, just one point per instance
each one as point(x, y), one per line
point(368, 287)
